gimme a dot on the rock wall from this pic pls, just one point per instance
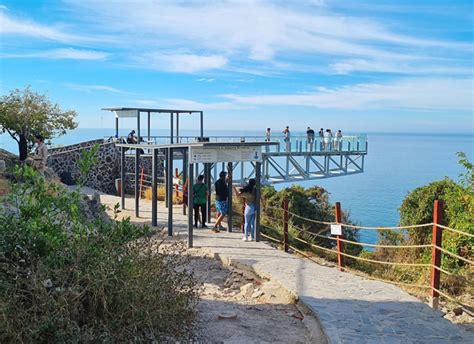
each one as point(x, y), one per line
point(102, 176)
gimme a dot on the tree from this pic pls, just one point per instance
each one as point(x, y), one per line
point(25, 113)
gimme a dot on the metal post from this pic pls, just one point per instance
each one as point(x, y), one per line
point(116, 127)
point(149, 127)
point(207, 169)
point(231, 192)
point(169, 187)
point(190, 205)
point(340, 257)
point(167, 159)
point(137, 189)
point(154, 189)
point(177, 127)
point(285, 224)
point(122, 175)
point(437, 237)
point(185, 176)
point(258, 186)
point(171, 128)
point(201, 118)
point(138, 128)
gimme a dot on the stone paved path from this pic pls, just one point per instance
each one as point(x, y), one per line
point(351, 309)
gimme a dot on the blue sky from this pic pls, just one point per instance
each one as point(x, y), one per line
point(356, 65)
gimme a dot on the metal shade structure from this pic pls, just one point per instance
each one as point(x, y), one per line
point(131, 112)
point(207, 153)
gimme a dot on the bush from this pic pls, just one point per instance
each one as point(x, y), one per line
point(312, 203)
point(66, 277)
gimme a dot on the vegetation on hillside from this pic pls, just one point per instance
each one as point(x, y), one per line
point(25, 113)
point(68, 274)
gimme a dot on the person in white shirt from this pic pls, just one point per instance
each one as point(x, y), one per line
point(287, 138)
point(41, 153)
point(327, 139)
point(338, 140)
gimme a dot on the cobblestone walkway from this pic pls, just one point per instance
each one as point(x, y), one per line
point(351, 309)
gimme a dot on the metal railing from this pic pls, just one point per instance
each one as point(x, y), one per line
point(296, 144)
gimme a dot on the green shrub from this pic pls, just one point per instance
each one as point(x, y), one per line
point(69, 277)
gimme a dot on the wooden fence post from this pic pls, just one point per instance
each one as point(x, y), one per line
point(285, 224)
point(436, 240)
point(340, 257)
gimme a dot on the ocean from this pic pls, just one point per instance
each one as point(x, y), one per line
point(396, 164)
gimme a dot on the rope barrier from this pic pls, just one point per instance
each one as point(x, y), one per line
point(465, 307)
point(454, 230)
point(270, 238)
point(384, 280)
point(314, 234)
point(442, 270)
point(357, 227)
point(454, 255)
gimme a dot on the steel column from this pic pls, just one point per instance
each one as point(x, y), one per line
point(138, 127)
point(137, 188)
point(177, 127)
point(122, 176)
point(154, 189)
point(190, 205)
point(169, 187)
point(231, 192)
point(258, 177)
point(185, 176)
point(149, 127)
point(201, 118)
point(171, 127)
point(116, 127)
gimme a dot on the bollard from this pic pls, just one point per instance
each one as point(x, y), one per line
point(340, 257)
point(285, 223)
point(437, 237)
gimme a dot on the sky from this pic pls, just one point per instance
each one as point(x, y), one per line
point(359, 66)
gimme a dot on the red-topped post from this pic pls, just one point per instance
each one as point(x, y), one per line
point(285, 223)
point(340, 257)
point(436, 240)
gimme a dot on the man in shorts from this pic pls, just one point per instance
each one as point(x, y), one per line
point(222, 206)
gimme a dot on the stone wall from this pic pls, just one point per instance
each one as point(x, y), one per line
point(102, 176)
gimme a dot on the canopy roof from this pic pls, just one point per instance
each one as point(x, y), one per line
point(133, 112)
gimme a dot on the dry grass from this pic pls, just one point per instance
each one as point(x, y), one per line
point(161, 193)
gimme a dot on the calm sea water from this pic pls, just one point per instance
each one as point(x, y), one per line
point(396, 164)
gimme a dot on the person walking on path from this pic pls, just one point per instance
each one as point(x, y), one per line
point(200, 197)
point(287, 138)
point(248, 192)
point(310, 138)
point(327, 139)
point(338, 140)
point(268, 138)
point(222, 206)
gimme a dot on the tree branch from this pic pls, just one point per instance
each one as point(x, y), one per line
point(12, 135)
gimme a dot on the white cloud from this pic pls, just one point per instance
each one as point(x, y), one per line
point(206, 80)
point(61, 54)
point(13, 26)
point(193, 105)
point(414, 94)
point(95, 88)
point(184, 63)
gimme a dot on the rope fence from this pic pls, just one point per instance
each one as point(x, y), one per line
point(436, 246)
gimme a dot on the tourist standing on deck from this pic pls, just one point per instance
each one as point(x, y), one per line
point(41, 154)
point(287, 138)
point(268, 135)
point(200, 198)
point(338, 140)
point(132, 138)
point(327, 139)
point(222, 207)
point(248, 192)
point(310, 138)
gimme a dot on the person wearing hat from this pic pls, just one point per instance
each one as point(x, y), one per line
point(222, 206)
